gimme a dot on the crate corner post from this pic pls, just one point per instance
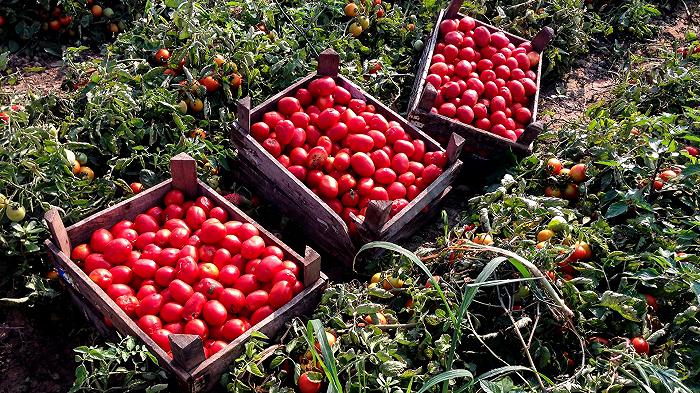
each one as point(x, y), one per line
point(243, 118)
point(184, 172)
point(454, 147)
point(427, 99)
point(312, 266)
point(530, 134)
point(542, 39)
point(328, 63)
point(58, 230)
point(187, 349)
point(453, 9)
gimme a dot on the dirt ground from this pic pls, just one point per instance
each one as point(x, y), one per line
point(36, 345)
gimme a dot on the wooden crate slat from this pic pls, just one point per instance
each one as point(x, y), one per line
point(184, 173)
point(126, 210)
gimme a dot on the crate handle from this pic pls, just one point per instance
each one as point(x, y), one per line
point(452, 9)
point(530, 133)
point(184, 172)
point(187, 349)
point(58, 230)
point(454, 147)
point(328, 63)
point(428, 98)
point(312, 266)
point(542, 39)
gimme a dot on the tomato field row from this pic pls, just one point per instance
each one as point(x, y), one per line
point(572, 269)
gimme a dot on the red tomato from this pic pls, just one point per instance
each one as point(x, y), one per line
point(260, 314)
point(288, 105)
point(213, 231)
point(128, 303)
point(284, 275)
point(180, 291)
point(145, 268)
point(121, 274)
point(316, 158)
point(260, 131)
point(233, 328)
point(209, 287)
point(165, 275)
point(328, 187)
point(362, 164)
point(162, 237)
point(95, 261)
point(174, 197)
point(145, 223)
point(193, 306)
point(187, 270)
point(116, 290)
point(160, 337)
point(150, 305)
point(268, 267)
point(145, 290)
point(252, 247)
point(195, 216)
point(168, 257)
point(99, 240)
point(272, 118)
point(328, 118)
point(197, 327)
point(246, 231)
point(171, 312)
point(80, 253)
point(322, 86)
point(280, 294)
point(640, 345)
point(384, 176)
point(101, 277)
point(246, 283)
point(306, 383)
point(214, 313)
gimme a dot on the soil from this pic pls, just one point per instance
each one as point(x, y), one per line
point(36, 344)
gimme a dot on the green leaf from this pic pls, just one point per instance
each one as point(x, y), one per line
point(616, 209)
point(628, 307)
point(445, 376)
point(254, 369)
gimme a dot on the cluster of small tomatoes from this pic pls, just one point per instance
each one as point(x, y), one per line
point(578, 251)
point(482, 78)
point(573, 176)
point(345, 152)
point(188, 268)
point(55, 19)
point(5, 117)
point(192, 91)
point(78, 165)
point(361, 14)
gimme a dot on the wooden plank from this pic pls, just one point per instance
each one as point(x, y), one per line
point(187, 349)
point(184, 172)
point(302, 304)
point(243, 120)
point(454, 147)
point(453, 9)
point(423, 68)
point(58, 230)
point(97, 297)
point(399, 222)
point(126, 210)
point(542, 39)
point(530, 133)
point(328, 63)
point(376, 215)
point(311, 271)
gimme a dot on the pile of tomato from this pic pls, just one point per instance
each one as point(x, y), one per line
point(482, 78)
point(187, 268)
point(345, 152)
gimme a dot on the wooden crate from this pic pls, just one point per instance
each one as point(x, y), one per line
point(188, 366)
point(477, 141)
point(320, 224)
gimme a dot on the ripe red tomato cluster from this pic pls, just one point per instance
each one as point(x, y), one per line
point(345, 152)
point(187, 268)
point(482, 78)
